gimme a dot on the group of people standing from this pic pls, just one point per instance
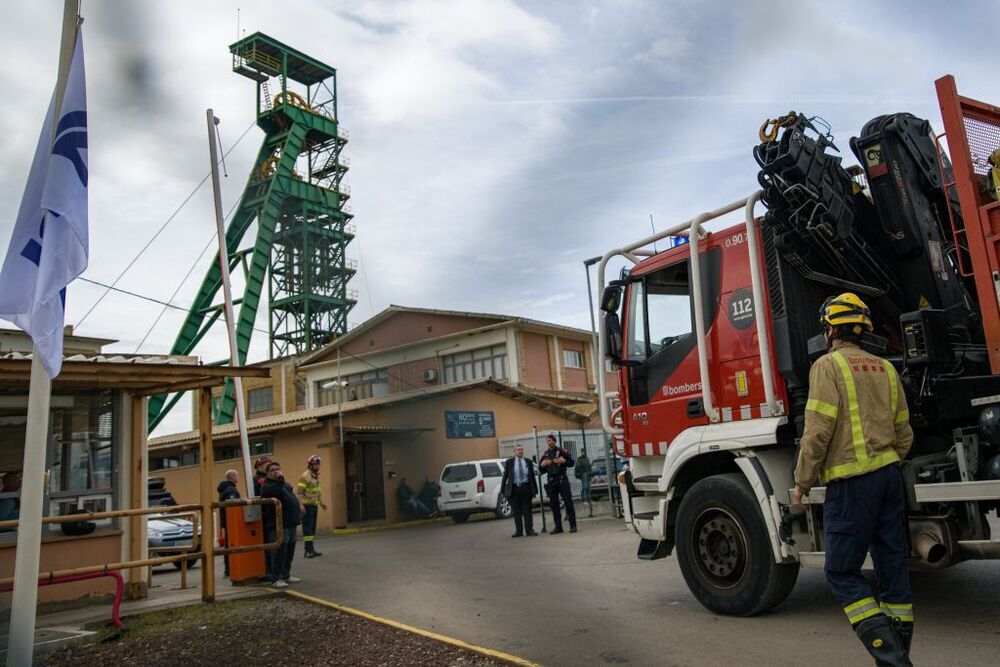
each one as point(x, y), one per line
point(519, 486)
point(300, 505)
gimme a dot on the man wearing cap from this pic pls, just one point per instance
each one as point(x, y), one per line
point(312, 500)
point(291, 515)
point(555, 461)
point(227, 491)
point(260, 473)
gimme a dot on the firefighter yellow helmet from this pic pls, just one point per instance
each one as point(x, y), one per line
point(846, 309)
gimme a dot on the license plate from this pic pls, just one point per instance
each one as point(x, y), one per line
point(457, 494)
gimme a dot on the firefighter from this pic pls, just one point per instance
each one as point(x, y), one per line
point(856, 432)
point(309, 494)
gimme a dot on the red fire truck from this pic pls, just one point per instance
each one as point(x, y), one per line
point(714, 338)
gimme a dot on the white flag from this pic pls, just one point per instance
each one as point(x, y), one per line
point(49, 246)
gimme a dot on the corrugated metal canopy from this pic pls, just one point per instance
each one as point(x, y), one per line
point(141, 374)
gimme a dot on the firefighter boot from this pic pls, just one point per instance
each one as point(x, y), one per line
point(905, 629)
point(883, 642)
point(309, 551)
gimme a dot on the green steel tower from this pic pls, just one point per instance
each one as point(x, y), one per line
point(296, 195)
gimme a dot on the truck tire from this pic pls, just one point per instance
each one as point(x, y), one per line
point(724, 549)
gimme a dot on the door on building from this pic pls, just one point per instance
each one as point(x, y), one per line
point(365, 491)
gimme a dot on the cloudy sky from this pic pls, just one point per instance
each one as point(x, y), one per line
point(494, 145)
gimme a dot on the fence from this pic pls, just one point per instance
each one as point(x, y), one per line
point(597, 445)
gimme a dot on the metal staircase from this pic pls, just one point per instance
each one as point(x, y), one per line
point(296, 196)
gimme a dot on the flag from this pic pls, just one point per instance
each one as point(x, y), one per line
point(49, 245)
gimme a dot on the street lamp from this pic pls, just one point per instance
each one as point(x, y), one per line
point(340, 384)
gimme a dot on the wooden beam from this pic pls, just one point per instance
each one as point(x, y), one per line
point(138, 494)
point(207, 517)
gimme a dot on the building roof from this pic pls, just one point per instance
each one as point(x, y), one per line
point(375, 320)
point(69, 337)
point(142, 374)
point(300, 418)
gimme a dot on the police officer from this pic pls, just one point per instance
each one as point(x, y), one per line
point(554, 461)
point(856, 432)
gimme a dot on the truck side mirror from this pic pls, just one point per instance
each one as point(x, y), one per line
point(613, 329)
point(612, 297)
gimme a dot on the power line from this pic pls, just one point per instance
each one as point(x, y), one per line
point(159, 231)
point(172, 296)
point(364, 276)
point(167, 304)
point(144, 297)
point(187, 275)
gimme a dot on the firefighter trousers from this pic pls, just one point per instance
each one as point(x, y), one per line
point(867, 514)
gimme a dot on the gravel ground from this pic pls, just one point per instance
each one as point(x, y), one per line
point(269, 630)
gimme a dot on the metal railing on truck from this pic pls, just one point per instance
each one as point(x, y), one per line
point(695, 232)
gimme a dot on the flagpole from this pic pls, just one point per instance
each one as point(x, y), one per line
point(241, 415)
point(29, 530)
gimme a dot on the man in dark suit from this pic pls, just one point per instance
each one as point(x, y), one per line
point(519, 487)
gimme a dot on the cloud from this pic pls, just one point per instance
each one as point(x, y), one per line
point(494, 145)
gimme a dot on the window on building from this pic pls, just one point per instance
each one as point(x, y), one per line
point(260, 399)
point(609, 366)
point(231, 451)
point(486, 362)
point(81, 454)
point(370, 384)
point(573, 358)
point(187, 457)
point(300, 393)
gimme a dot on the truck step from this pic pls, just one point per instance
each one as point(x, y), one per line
point(645, 516)
point(652, 549)
point(646, 479)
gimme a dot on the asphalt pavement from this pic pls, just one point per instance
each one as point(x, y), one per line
point(584, 599)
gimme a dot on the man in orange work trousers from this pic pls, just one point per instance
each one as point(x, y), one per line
point(857, 430)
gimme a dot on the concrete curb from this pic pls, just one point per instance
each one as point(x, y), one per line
point(488, 652)
point(389, 526)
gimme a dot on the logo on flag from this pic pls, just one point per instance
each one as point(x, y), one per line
point(49, 246)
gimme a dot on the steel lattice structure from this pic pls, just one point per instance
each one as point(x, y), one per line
point(295, 193)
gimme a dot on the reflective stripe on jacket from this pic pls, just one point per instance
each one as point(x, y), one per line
point(309, 488)
point(856, 417)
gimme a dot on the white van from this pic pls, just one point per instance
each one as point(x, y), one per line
point(473, 486)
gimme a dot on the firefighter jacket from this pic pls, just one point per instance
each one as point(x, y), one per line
point(309, 488)
point(856, 417)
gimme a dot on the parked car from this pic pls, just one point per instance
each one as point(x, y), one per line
point(599, 480)
point(165, 533)
point(473, 486)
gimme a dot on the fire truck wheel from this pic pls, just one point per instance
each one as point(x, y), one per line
point(724, 549)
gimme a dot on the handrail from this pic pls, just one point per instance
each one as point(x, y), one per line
point(757, 287)
point(162, 560)
point(693, 230)
point(116, 618)
point(111, 514)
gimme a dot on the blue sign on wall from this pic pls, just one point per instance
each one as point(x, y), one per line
point(469, 424)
